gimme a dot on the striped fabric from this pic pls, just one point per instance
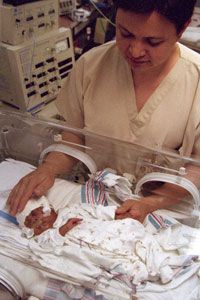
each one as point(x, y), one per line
point(94, 191)
point(57, 290)
point(158, 222)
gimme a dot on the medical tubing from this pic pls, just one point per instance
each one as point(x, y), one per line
point(174, 179)
point(101, 13)
point(83, 157)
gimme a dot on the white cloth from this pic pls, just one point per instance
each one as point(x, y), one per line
point(113, 261)
point(63, 193)
point(188, 242)
point(32, 281)
point(103, 187)
point(184, 286)
point(100, 234)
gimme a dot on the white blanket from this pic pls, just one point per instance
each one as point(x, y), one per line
point(119, 258)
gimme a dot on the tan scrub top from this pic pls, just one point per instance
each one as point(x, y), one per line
point(99, 96)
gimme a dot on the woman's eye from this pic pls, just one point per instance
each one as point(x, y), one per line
point(154, 43)
point(126, 34)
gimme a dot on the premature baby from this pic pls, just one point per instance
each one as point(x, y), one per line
point(41, 220)
point(93, 238)
point(38, 216)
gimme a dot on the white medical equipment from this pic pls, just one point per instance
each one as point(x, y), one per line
point(66, 7)
point(30, 139)
point(27, 21)
point(191, 36)
point(69, 8)
point(32, 73)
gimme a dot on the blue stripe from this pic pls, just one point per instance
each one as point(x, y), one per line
point(153, 222)
point(167, 222)
point(102, 176)
point(83, 196)
point(8, 217)
point(96, 192)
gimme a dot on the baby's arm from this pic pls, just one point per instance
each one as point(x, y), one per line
point(71, 223)
point(55, 237)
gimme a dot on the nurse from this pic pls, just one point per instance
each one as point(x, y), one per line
point(145, 88)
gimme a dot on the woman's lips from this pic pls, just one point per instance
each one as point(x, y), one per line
point(138, 61)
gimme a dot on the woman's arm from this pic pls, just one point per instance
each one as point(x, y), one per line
point(162, 198)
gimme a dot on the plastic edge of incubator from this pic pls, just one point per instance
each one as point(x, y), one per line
point(83, 157)
point(174, 179)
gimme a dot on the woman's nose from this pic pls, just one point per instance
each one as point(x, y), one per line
point(136, 49)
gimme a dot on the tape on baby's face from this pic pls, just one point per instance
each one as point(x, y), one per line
point(27, 232)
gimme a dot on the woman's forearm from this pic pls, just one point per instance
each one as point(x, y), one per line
point(59, 163)
point(163, 197)
point(170, 194)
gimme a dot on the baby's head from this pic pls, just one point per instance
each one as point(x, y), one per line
point(36, 217)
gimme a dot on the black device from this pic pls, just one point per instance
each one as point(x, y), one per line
point(18, 2)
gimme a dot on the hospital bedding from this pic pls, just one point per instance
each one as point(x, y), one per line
point(181, 242)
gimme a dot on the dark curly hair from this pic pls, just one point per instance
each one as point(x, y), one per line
point(177, 12)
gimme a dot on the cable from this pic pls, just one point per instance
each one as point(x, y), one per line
point(101, 13)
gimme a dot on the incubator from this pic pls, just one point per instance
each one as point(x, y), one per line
point(25, 141)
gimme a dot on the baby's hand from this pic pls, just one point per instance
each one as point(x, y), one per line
point(71, 223)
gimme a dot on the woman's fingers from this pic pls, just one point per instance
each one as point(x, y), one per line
point(122, 216)
point(34, 184)
point(20, 195)
point(125, 207)
point(132, 209)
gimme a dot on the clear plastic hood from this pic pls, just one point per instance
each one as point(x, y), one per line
point(25, 137)
point(29, 139)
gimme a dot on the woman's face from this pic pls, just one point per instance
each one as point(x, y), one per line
point(40, 222)
point(145, 40)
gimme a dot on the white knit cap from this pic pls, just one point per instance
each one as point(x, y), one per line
point(31, 205)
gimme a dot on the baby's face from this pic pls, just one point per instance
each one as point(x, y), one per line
point(40, 222)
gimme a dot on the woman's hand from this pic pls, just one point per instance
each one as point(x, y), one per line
point(137, 210)
point(35, 184)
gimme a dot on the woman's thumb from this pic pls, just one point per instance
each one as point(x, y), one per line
point(123, 208)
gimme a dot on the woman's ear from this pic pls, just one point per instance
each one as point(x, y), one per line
point(184, 28)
